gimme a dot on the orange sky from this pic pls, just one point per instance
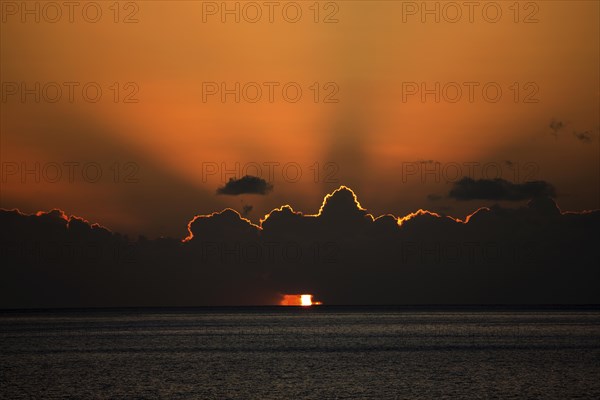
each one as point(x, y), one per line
point(369, 134)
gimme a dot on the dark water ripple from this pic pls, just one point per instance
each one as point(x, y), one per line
point(327, 353)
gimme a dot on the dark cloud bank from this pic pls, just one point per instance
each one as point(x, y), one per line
point(534, 254)
point(500, 189)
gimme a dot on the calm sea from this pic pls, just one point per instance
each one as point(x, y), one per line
point(301, 353)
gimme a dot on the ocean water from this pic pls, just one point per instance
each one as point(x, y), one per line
point(300, 353)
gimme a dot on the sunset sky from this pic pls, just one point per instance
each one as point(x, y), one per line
point(158, 153)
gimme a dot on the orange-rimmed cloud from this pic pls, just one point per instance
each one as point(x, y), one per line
point(339, 205)
point(534, 254)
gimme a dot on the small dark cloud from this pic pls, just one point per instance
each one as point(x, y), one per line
point(434, 197)
point(499, 189)
point(509, 163)
point(556, 126)
point(585, 136)
point(245, 185)
point(247, 209)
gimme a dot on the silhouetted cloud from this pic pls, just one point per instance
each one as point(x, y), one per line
point(499, 189)
point(556, 126)
point(246, 210)
point(227, 224)
point(532, 254)
point(246, 185)
point(585, 136)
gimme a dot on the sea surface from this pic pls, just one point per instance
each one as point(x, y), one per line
point(301, 353)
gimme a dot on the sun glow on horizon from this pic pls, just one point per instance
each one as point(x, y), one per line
point(304, 300)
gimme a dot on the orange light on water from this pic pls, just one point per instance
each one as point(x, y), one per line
point(304, 300)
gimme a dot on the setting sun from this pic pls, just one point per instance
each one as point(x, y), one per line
point(304, 300)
